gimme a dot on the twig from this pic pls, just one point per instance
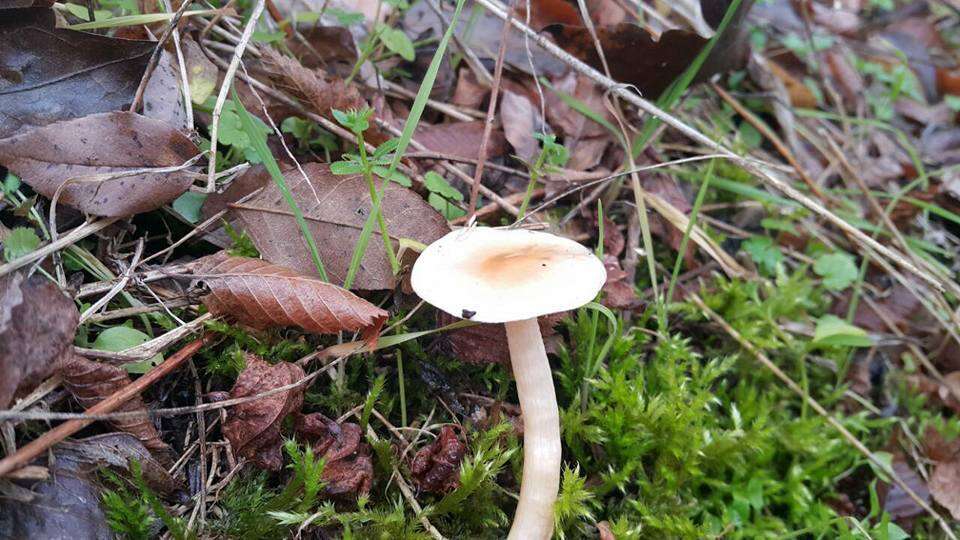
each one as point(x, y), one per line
point(36, 447)
point(488, 123)
point(225, 89)
point(70, 238)
point(155, 56)
point(815, 405)
point(92, 310)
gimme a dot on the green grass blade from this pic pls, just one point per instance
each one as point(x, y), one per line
point(259, 143)
point(416, 111)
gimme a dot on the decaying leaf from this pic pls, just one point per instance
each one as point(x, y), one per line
point(90, 382)
point(52, 74)
point(635, 57)
point(253, 428)
point(260, 294)
point(102, 144)
point(436, 467)
point(162, 98)
point(895, 499)
point(118, 450)
point(336, 208)
point(618, 292)
point(37, 323)
point(348, 469)
point(316, 89)
point(485, 343)
point(65, 506)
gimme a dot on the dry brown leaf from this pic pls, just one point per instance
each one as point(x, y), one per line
point(618, 292)
point(118, 450)
point(37, 324)
point(336, 208)
point(485, 343)
point(945, 486)
point(520, 121)
point(253, 428)
point(348, 468)
point(263, 295)
point(101, 144)
point(90, 382)
point(435, 468)
point(316, 89)
point(461, 139)
point(895, 500)
point(162, 98)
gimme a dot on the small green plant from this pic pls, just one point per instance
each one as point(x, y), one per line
point(552, 155)
point(358, 121)
point(132, 512)
point(21, 241)
point(443, 196)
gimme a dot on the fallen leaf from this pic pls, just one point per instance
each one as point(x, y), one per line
point(253, 427)
point(435, 468)
point(945, 486)
point(162, 98)
point(604, 532)
point(102, 144)
point(64, 506)
point(90, 382)
point(262, 295)
point(325, 47)
point(635, 58)
point(469, 92)
point(485, 343)
point(613, 239)
point(202, 73)
point(618, 293)
point(52, 74)
point(800, 95)
point(461, 139)
point(118, 450)
point(520, 121)
point(895, 500)
point(348, 468)
point(335, 208)
point(37, 324)
point(316, 89)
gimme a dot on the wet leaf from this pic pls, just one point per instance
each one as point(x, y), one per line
point(253, 428)
point(90, 382)
point(261, 295)
point(37, 324)
point(65, 506)
point(102, 144)
point(348, 469)
point(52, 74)
point(635, 57)
point(335, 208)
point(436, 467)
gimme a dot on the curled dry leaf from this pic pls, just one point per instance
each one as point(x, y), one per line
point(261, 295)
point(348, 469)
point(635, 58)
point(335, 208)
point(52, 74)
point(90, 382)
point(253, 428)
point(320, 92)
point(436, 466)
point(64, 506)
point(485, 343)
point(37, 324)
point(104, 145)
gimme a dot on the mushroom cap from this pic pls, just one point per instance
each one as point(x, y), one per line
point(502, 275)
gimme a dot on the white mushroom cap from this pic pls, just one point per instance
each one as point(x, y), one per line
point(502, 275)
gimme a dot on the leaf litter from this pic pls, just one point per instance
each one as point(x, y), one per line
point(655, 384)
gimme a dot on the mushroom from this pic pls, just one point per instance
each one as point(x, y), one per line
point(513, 276)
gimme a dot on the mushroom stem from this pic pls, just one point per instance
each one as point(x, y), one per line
point(541, 432)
